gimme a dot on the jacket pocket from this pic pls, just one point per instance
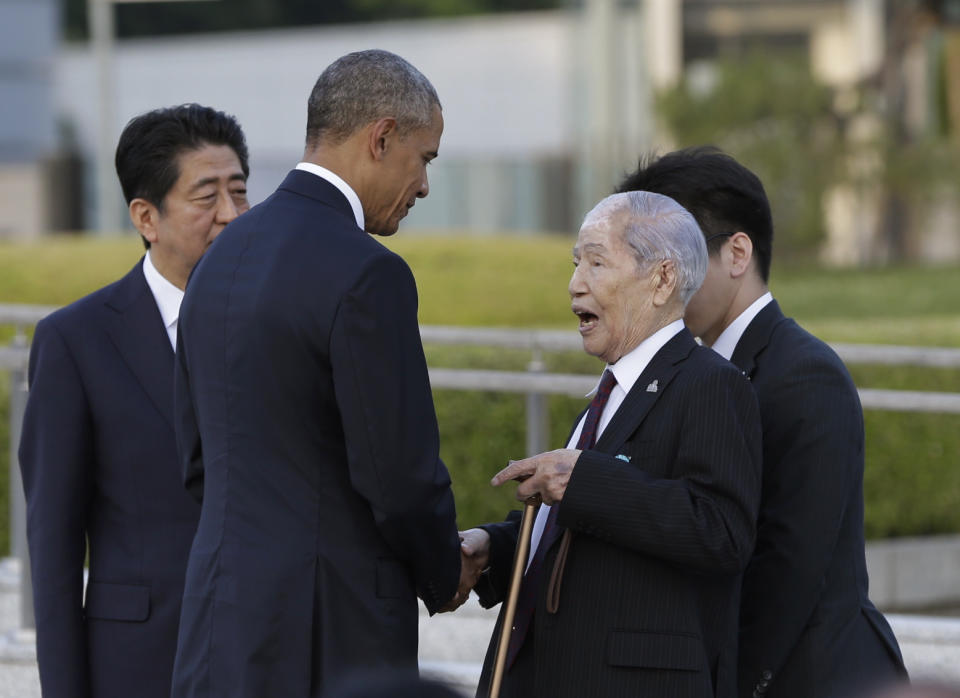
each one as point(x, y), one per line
point(117, 601)
point(655, 651)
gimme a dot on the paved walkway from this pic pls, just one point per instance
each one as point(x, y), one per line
point(452, 646)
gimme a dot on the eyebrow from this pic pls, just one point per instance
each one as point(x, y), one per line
point(591, 247)
point(236, 177)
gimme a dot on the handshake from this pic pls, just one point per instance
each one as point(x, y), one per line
point(545, 476)
point(474, 555)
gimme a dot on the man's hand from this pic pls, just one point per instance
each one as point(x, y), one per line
point(474, 555)
point(546, 474)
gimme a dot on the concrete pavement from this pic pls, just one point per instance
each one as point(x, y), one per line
point(452, 646)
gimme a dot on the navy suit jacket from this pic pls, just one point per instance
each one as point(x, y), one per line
point(662, 511)
point(807, 625)
point(306, 423)
point(99, 463)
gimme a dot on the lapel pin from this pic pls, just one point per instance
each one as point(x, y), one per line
point(652, 388)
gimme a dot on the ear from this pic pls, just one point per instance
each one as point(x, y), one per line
point(381, 133)
point(145, 217)
point(739, 251)
point(665, 277)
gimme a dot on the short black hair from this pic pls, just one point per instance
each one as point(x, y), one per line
point(723, 195)
point(364, 86)
point(150, 144)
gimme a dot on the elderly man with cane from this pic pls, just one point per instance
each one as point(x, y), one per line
point(648, 517)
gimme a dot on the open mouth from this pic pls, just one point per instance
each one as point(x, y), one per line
point(587, 320)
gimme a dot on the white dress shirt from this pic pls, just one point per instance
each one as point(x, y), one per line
point(167, 296)
point(338, 182)
point(727, 341)
point(627, 370)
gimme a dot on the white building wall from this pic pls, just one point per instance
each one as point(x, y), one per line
point(506, 83)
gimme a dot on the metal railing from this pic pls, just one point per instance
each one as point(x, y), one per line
point(535, 382)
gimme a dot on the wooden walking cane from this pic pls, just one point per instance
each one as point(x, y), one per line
point(516, 578)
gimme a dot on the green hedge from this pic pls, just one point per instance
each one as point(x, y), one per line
point(912, 481)
point(912, 474)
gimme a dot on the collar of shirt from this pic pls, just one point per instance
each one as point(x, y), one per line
point(628, 369)
point(167, 296)
point(728, 339)
point(338, 182)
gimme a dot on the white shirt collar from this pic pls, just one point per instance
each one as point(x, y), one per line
point(629, 367)
point(167, 296)
point(338, 182)
point(728, 339)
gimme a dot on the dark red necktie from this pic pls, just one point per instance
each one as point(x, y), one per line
point(527, 600)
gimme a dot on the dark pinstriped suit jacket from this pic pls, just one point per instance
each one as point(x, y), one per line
point(648, 605)
point(808, 627)
point(99, 463)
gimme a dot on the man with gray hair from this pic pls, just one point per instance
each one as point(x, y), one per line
point(647, 522)
point(305, 421)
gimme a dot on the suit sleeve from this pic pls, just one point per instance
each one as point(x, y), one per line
point(494, 583)
point(56, 461)
point(187, 432)
point(814, 448)
point(390, 427)
point(703, 516)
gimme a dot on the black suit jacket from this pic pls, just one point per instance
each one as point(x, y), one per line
point(662, 511)
point(305, 420)
point(807, 626)
point(99, 463)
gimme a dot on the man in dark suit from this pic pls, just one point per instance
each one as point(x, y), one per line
point(98, 450)
point(656, 495)
point(305, 419)
point(807, 625)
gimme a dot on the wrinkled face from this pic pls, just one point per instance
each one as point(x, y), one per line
point(403, 179)
point(708, 310)
point(209, 193)
point(611, 294)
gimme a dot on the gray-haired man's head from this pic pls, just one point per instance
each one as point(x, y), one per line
point(639, 258)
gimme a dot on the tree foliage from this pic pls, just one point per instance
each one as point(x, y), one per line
point(803, 139)
point(772, 116)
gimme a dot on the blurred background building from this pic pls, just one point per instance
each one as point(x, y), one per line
point(848, 109)
point(35, 187)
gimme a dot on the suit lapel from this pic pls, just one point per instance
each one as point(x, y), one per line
point(644, 394)
point(136, 328)
point(756, 338)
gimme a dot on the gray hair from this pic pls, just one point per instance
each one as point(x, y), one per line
point(659, 228)
point(364, 86)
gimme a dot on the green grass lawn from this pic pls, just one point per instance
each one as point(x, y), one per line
point(912, 483)
point(522, 282)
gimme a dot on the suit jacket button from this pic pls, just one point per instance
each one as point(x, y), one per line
point(766, 675)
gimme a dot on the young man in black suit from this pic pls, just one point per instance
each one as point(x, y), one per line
point(648, 518)
point(305, 419)
point(808, 627)
point(98, 451)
